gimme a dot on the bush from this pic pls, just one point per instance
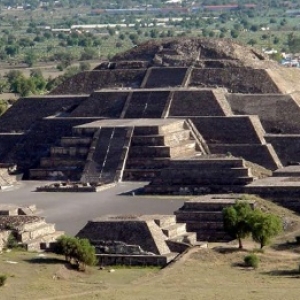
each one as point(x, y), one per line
point(251, 260)
point(12, 241)
point(2, 279)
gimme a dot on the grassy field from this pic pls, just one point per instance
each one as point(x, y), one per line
point(214, 273)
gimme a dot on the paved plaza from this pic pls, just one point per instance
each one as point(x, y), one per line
point(71, 211)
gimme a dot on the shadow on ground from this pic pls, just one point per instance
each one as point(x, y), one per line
point(46, 260)
point(283, 273)
point(228, 250)
point(287, 246)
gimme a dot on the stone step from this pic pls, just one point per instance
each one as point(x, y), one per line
point(30, 226)
point(188, 238)
point(157, 130)
point(213, 236)
point(202, 225)
point(140, 175)
point(204, 162)
point(171, 139)
point(53, 162)
point(201, 180)
point(201, 173)
point(147, 163)
point(43, 242)
point(192, 189)
point(198, 216)
point(43, 229)
point(205, 207)
point(185, 148)
point(172, 231)
point(75, 141)
point(69, 151)
point(164, 220)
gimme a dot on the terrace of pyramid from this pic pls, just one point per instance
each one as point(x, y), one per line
point(188, 115)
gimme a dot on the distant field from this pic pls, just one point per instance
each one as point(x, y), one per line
point(48, 70)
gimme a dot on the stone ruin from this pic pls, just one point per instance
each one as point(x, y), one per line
point(28, 230)
point(188, 115)
point(8, 176)
point(138, 240)
point(158, 239)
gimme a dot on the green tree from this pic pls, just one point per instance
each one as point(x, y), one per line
point(236, 219)
point(252, 42)
point(264, 226)
point(30, 58)
point(76, 250)
point(234, 33)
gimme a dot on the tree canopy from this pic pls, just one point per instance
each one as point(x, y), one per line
point(264, 227)
point(240, 220)
point(236, 220)
point(76, 250)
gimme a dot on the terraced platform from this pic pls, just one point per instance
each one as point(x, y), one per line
point(157, 111)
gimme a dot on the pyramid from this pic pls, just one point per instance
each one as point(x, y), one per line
point(160, 107)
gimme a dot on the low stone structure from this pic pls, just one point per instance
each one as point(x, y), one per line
point(74, 187)
point(204, 216)
point(28, 230)
point(207, 174)
point(282, 188)
point(145, 239)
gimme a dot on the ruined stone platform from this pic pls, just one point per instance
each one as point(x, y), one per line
point(132, 239)
point(283, 188)
point(29, 230)
point(204, 215)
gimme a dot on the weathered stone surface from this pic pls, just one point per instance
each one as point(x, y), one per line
point(165, 99)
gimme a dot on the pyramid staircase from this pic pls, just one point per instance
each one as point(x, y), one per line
point(65, 161)
point(152, 148)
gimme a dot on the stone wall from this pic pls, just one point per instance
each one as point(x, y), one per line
point(165, 77)
point(89, 81)
point(195, 103)
point(229, 130)
point(3, 238)
point(26, 111)
point(150, 104)
point(102, 104)
point(278, 113)
point(236, 80)
point(287, 147)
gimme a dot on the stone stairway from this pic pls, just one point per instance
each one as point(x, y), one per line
point(205, 174)
point(174, 231)
point(152, 148)
point(66, 161)
point(37, 235)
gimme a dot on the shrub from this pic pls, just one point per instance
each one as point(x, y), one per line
point(12, 241)
point(2, 279)
point(251, 260)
